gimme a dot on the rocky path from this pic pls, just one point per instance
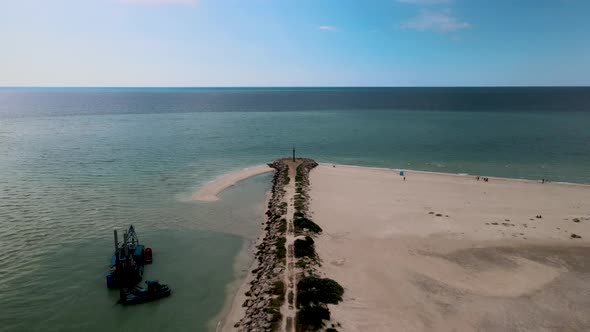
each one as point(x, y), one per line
point(288, 309)
point(270, 302)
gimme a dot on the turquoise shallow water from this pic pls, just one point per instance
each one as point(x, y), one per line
point(67, 180)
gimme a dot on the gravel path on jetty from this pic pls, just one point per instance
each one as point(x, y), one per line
point(290, 278)
point(285, 257)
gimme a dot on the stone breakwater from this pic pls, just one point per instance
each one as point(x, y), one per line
point(265, 299)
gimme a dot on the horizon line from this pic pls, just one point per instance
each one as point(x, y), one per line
point(283, 86)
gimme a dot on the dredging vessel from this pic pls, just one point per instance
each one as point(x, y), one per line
point(128, 261)
point(127, 265)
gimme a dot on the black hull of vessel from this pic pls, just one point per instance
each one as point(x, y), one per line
point(153, 292)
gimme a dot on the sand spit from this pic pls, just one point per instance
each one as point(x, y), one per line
point(209, 192)
point(442, 252)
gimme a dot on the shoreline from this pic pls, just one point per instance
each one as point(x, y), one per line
point(456, 174)
point(235, 293)
point(242, 263)
point(232, 309)
point(253, 305)
point(209, 191)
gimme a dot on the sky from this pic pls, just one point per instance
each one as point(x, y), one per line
point(294, 42)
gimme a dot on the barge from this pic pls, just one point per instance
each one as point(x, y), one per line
point(128, 261)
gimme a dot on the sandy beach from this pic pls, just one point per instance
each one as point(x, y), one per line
point(209, 192)
point(442, 252)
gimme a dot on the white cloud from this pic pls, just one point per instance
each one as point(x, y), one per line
point(425, 2)
point(439, 21)
point(161, 2)
point(327, 28)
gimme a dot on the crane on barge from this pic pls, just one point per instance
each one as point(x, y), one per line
point(126, 271)
point(128, 261)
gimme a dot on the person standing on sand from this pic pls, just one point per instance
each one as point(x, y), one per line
point(404, 178)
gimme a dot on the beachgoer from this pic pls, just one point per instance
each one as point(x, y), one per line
point(404, 178)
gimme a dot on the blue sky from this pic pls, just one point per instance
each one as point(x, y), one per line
point(294, 43)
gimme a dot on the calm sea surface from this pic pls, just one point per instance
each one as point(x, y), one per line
point(76, 163)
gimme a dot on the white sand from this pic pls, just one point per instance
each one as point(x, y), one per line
point(209, 192)
point(404, 269)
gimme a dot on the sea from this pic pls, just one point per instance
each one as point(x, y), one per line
point(76, 163)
